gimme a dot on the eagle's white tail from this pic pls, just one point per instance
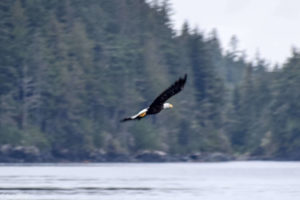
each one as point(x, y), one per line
point(140, 115)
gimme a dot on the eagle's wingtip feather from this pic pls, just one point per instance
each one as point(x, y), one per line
point(125, 119)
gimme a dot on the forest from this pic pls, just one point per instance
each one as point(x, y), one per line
point(71, 69)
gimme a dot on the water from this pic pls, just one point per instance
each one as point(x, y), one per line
point(166, 181)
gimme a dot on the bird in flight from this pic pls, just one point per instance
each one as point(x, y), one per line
point(160, 102)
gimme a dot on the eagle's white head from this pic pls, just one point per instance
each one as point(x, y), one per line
point(167, 105)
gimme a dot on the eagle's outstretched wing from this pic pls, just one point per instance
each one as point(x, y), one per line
point(165, 95)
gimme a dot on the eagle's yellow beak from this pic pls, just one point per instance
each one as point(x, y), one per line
point(171, 106)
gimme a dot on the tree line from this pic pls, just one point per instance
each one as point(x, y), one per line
point(70, 70)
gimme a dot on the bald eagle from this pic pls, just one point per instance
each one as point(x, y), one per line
point(160, 102)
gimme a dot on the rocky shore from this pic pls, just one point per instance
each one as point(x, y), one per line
point(31, 154)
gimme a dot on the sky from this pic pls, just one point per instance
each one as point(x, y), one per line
point(270, 27)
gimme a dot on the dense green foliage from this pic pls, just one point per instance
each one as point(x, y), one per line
point(71, 69)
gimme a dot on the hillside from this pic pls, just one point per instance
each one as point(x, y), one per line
point(70, 70)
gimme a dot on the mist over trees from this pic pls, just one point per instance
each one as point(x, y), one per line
point(70, 70)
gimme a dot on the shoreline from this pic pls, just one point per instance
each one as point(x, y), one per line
point(31, 154)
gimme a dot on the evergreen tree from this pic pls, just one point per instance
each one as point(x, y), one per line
point(70, 70)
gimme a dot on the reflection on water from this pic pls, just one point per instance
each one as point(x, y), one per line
point(187, 181)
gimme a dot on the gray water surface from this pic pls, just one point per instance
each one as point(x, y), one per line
point(165, 181)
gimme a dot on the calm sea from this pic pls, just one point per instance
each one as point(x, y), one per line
point(166, 181)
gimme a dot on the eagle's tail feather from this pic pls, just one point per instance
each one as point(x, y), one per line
point(138, 116)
